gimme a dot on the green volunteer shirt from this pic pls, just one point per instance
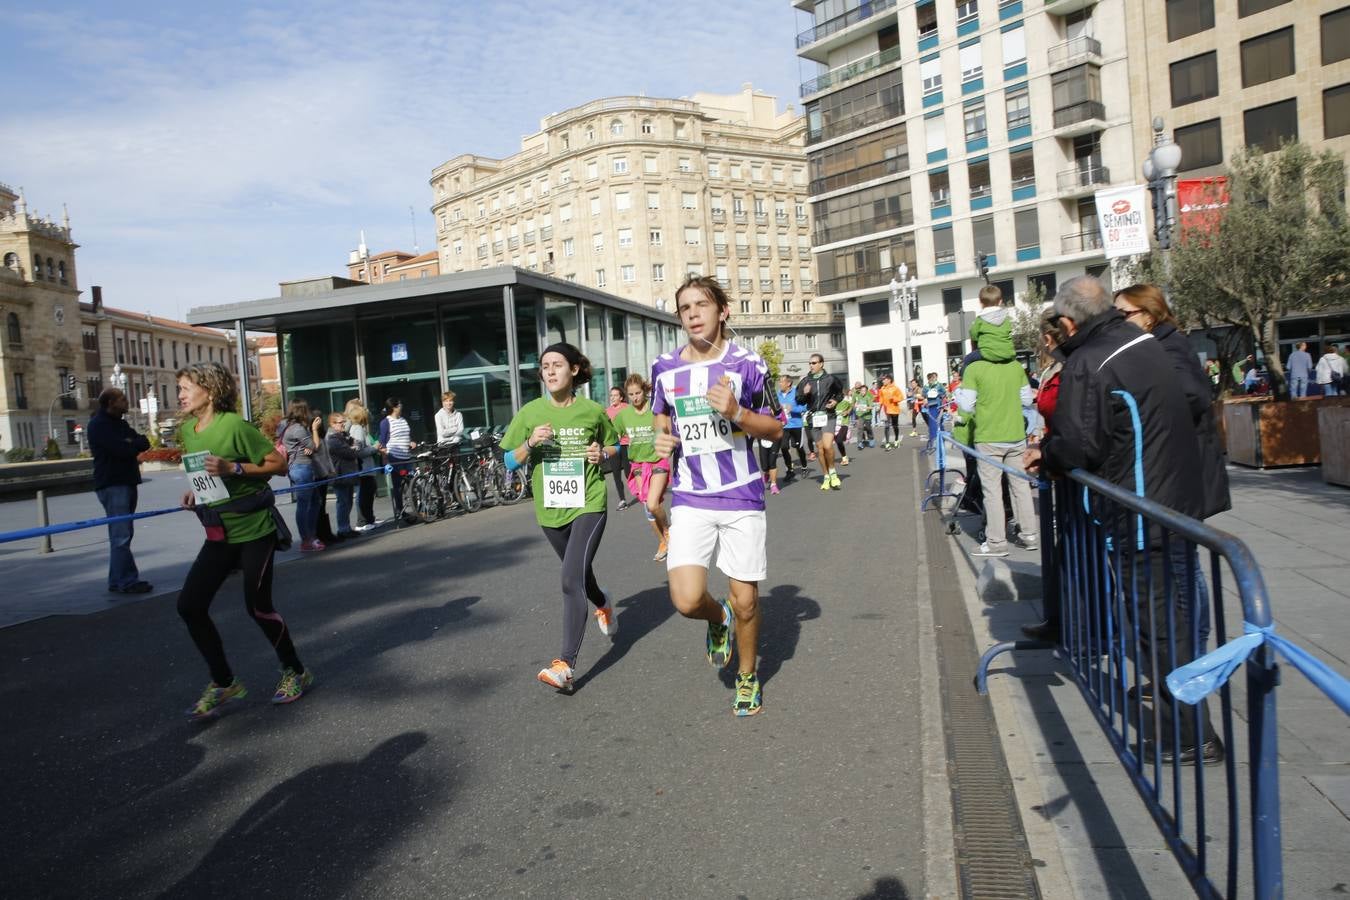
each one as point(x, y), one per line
point(232, 438)
point(575, 427)
point(862, 400)
point(996, 388)
point(640, 428)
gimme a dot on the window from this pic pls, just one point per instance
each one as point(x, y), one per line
point(745, 307)
point(1336, 111)
point(951, 301)
point(595, 206)
point(1018, 102)
point(972, 61)
point(1336, 36)
point(15, 332)
point(935, 134)
point(593, 169)
point(944, 246)
point(856, 106)
point(1022, 167)
point(692, 237)
point(590, 132)
point(976, 124)
point(759, 207)
point(564, 215)
point(967, 10)
point(1271, 125)
point(1027, 228)
point(679, 130)
point(1268, 57)
point(658, 272)
point(623, 201)
point(1195, 79)
point(161, 353)
point(618, 165)
point(685, 164)
point(766, 306)
point(600, 278)
point(649, 165)
point(1014, 46)
point(939, 188)
point(495, 204)
point(787, 303)
point(688, 200)
point(789, 342)
point(566, 140)
point(625, 238)
point(977, 173)
point(925, 17)
point(714, 170)
point(1201, 145)
point(653, 200)
point(810, 342)
point(628, 274)
point(511, 198)
point(647, 127)
point(1046, 281)
point(982, 230)
point(1187, 17)
point(778, 176)
point(736, 171)
point(616, 128)
point(836, 341)
point(564, 177)
point(1252, 7)
point(654, 237)
point(756, 172)
point(598, 241)
point(930, 72)
point(1075, 87)
point(458, 247)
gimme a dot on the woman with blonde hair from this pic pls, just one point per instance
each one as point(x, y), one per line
point(229, 455)
point(358, 419)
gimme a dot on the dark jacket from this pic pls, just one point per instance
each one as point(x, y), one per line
point(823, 390)
point(344, 453)
point(1199, 393)
point(1094, 425)
point(115, 445)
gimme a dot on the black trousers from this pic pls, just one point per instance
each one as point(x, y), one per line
point(576, 544)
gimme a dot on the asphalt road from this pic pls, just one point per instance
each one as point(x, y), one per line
point(428, 762)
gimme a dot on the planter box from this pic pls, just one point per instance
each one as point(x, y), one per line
point(1266, 433)
point(1333, 429)
point(24, 478)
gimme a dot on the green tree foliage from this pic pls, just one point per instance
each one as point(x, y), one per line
point(772, 356)
point(1026, 324)
point(1282, 246)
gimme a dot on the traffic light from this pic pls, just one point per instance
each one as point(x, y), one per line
point(982, 263)
point(68, 384)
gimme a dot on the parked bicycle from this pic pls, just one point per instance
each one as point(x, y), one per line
point(442, 482)
point(494, 483)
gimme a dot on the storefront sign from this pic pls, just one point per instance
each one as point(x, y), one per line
point(400, 353)
point(1201, 202)
point(1124, 222)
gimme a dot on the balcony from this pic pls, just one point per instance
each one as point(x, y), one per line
point(529, 237)
point(761, 218)
point(827, 35)
point(1082, 242)
point(808, 284)
point(546, 233)
point(1082, 180)
point(846, 230)
point(855, 69)
point(513, 243)
point(1066, 7)
point(720, 249)
point(863, 119)
point(719, 215)
point(766, 285)
point(496, 246)
point(854, 281)
point(781, 218)
point(745, 284)
point(1083, 117)
point(547, 267)
point(1072, 52)
point(743, 252)
point(739, 218)
point(801, 220)
point(763, 252)
point(482, 251)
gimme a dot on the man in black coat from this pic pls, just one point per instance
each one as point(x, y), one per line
point(115, 446)
point(1120, 416)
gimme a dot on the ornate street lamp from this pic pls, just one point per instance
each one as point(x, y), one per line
point(905, 297)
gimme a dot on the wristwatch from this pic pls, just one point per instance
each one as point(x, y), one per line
point(239, 469)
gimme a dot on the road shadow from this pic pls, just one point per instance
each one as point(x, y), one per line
point(888, 888)
point(639, 616)
point(782, 613)
point(317, 833)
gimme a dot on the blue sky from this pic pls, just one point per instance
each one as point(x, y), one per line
point(208, 151)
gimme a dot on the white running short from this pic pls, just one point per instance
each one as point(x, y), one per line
point(738, 536)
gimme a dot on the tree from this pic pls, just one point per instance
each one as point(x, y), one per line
point(1282, 246)
point(772, 356)
point(1026, 324)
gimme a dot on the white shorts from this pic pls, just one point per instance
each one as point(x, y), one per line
point(737, 535)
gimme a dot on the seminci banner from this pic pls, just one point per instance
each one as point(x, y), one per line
point(1124, 223)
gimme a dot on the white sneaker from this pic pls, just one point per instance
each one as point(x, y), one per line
point(605, 618)
point(558, 675)
point(985, 550)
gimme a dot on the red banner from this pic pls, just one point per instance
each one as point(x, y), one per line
point(1201, 202)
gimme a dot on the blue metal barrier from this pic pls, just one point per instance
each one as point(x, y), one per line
point(1124, 578)
point(27, 533)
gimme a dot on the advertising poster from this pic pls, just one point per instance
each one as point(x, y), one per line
point(1123, 215)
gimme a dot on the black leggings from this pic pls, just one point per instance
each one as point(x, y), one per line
point(576, 543)
point(214, 562)
point(619, 469)
point(768, 456)
point(892, 427)
point(792, 438)
point(402, 468)
point(365, 499)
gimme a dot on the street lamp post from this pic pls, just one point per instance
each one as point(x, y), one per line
point(904, 295)
point(1160, 171)
point(118, 378)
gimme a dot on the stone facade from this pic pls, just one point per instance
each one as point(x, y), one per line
point(628, 194)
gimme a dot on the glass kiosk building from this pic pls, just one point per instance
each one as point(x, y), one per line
point(476, 333)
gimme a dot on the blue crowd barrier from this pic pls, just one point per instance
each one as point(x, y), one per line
point(1126, 580)
point(65, 527)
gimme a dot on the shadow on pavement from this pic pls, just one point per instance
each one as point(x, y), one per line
point(888, 888)
point(641, 615)
point(783, 611)
point(318, 832)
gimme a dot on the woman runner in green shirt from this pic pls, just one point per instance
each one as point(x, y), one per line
point(567, 437)
point(229, 462)
point(647, 479)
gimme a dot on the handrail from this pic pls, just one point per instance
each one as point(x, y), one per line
point(850, 71)
point(839, 23)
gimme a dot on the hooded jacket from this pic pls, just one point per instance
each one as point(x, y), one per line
point(1195, 385)
point(991, 333)
point(823, 390)
point(1114, 372)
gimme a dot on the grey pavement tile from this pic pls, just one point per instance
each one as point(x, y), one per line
point(1316, 874)
point(1335, 788)
point(1124, 874)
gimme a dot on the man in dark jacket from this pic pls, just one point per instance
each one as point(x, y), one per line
point(115, 446)
point(1120, 416)
point(819, 392)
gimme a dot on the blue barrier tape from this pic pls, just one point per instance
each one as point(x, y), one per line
point(65, 527)
point(1201, 677)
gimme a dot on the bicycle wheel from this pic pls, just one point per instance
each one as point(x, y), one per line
point(467, 493)
point(413, 497)
point(517, 486)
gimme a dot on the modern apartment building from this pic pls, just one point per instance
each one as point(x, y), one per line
point(941, 131)
point(628, 194)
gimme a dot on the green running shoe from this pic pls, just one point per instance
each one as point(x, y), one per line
point(719, 638)
point(749, 697)
point(214, 697)
point(292, 686)
point(834, 480)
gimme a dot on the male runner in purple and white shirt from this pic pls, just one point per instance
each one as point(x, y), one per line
point(712, 402)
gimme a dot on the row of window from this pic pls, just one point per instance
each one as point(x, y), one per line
point(135, 348)
point(55, 269)
point(1188, 17)
point(808, 341)
point(1266, 127)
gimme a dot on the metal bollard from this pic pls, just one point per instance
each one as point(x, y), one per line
point(43, 521)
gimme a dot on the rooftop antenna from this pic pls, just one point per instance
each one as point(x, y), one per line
point(413, 217)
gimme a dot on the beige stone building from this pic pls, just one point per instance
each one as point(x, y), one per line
point(41, 345)
point(627, 194)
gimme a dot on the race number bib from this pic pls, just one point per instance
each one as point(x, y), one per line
point(206, 488)
point(932, 394)
point(702, 429)
point(820, 419)
point(565, 484)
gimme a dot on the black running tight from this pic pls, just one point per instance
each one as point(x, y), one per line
point(213, 564)
point(576, 543)
point(893, 427)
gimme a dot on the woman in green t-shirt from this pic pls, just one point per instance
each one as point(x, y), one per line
point(223, 452)
point(567, 437)
point(649, 473)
